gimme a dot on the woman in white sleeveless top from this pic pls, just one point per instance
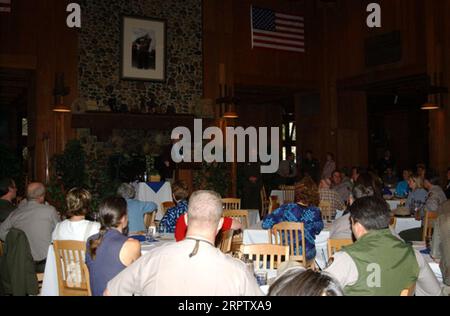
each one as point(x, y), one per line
point(76, 227)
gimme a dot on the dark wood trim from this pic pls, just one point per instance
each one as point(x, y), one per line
point(102, 123)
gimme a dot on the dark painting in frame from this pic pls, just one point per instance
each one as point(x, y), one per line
point(143, 49)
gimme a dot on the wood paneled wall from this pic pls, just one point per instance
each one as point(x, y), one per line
point(35, 36)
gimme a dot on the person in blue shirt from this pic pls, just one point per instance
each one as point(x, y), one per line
point(305, 210)
point(180, 193)
point(417, 197)
point(402, 188)
point(136, 209)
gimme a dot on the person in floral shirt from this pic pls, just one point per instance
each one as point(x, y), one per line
point(180, 193)
point(305, 211)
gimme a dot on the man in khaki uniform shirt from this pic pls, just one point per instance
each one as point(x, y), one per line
point(193, 267)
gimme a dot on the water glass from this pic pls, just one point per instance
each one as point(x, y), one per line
point(150, 235)
point(261, 277)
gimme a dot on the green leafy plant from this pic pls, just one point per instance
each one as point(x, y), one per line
point(70, 166)
point(213, 176)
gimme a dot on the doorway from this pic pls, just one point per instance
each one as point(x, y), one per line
point(17, 124)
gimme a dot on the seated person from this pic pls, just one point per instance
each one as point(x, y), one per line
point(402, 188)
point(305, 210)
point(110, 251)
point(330, 196)
point(436, 196)
point(37, 220)
point(180, 193)
point(418, 195)
point(342, 228)
point(342, 186)
point(136, 208)
point(76, 227)
point(8, 192)
point(397, 266)
point(444, 243)
point(389, 179)
point(192, 267)
point(447, 186)
point(302, 282)
point(181, 227)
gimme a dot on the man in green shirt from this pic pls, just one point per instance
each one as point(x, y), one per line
point(378, 263)
point(8, 192)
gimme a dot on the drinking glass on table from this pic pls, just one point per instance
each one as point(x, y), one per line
point(261, 277)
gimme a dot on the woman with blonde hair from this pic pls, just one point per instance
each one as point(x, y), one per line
point(76, 227)
point(418, 195)
point(304, 210)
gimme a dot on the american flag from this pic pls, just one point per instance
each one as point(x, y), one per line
point(275, 30)
point(5, 6)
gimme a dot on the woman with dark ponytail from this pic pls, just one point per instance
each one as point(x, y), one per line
point(110, 251)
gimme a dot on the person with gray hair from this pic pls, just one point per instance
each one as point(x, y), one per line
point(195, 262)
point(37, 220)
point(136, 209)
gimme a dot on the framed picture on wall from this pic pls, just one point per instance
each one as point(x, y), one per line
point(143, 51)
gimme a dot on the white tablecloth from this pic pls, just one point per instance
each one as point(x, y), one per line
point(393, 204)
point(433, 263)
point(257, 235)
point(406, 223)
point(50, 285)
point(145, 193)
point(279, 194)
point(253, 217)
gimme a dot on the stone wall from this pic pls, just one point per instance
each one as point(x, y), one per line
point(100, 54)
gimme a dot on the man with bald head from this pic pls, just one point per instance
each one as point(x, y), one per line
point(37, 220)
point(192, 267)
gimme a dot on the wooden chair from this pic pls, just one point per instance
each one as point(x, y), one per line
point(393, 223)
point(288, 193)
point(231, 204)
point(273, 204)
point(149, 219)
point(261, 254)
point(335, 245)
point(265, 203)
point(225, 242)
point(429, 219)
point(409, 291)
point(166, 205)
point(88, 278)
point(287, 234)
point(242, 217)
point(70, 256)
point(326, 211)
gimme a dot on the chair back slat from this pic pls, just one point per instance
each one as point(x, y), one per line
point(266, 256)
point(240, 215)
point(70, 256)
point(288, 193)
point(409, 291)
point(226, 239)
point(429, 219)
point(231, 204)
point(326, 211)
point(292, 235)
point(335, 245)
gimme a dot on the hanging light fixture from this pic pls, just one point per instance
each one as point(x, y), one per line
point(59, 92)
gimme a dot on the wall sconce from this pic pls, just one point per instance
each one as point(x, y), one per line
point(59, 92)
point(433, 103)
point(228, 102)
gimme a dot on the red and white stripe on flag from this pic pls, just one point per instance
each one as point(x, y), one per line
point(5, 6)
point(276, 30)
